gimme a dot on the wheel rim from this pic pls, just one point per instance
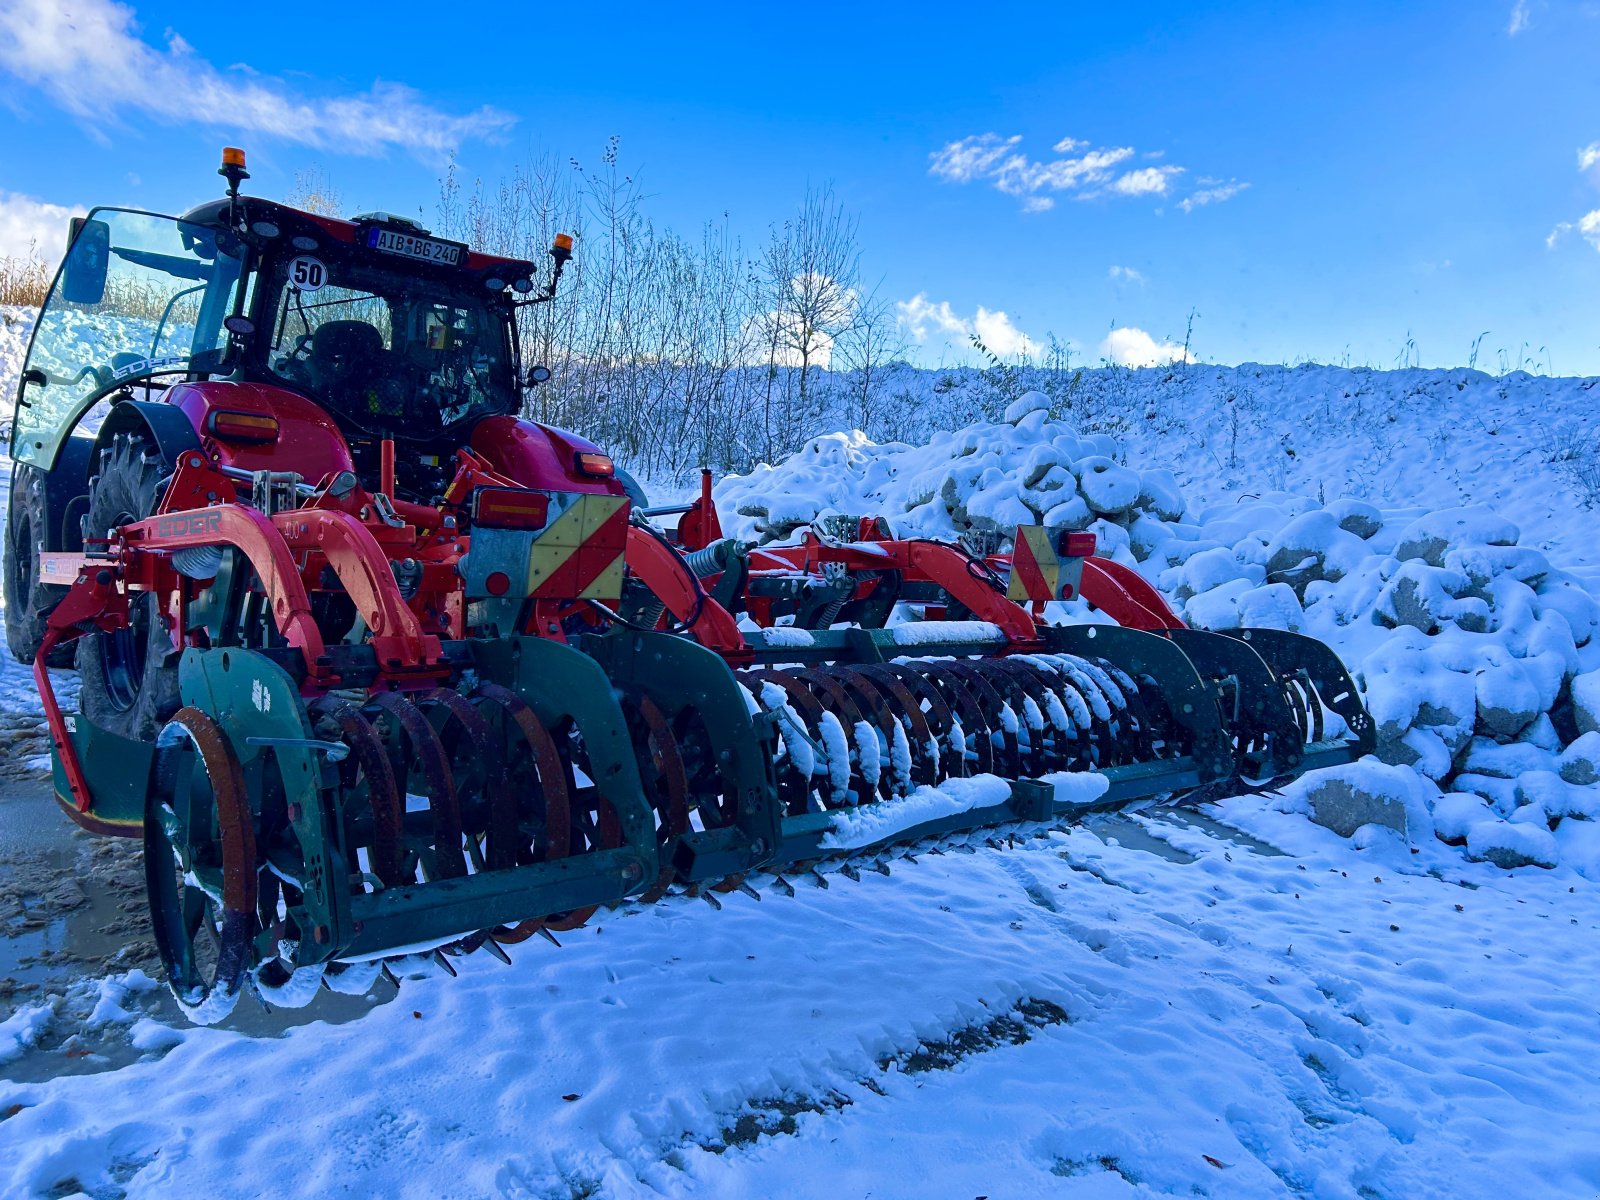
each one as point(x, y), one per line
point(123, 651)
point(203, 937)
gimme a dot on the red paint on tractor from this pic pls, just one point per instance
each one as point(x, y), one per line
point(540, 456)
point(308, 439)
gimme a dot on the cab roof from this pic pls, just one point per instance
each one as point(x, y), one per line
point(291, 221)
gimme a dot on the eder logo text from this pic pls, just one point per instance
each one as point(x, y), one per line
point(189, 524)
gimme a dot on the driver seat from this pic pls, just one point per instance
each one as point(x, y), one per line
point(349, 367)
point(340, 350)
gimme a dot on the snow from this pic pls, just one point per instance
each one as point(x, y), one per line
point(853, 828)
point(788, 638)
point(1331, 1022)
point(924, 633)
point(1146, 1006)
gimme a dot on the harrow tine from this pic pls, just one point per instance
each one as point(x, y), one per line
point(440, 961)
point(848, 870)
point(549, 937)
point(783, 885)
point(709, 898)
point(497, 950)
point(822, 880)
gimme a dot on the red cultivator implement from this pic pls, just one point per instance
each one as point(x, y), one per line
point(377, 668)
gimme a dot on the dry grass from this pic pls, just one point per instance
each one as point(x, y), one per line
point(24, 281)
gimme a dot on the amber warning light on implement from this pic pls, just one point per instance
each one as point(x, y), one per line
point(232, 156)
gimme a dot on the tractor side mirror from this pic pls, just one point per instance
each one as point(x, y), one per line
point(536, 376)
point(83, 277)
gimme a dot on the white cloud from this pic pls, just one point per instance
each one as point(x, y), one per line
point(1079, 171)
point(1125, 275)
point(1130, 347)
point(1519, 18)
point(1212, 195)
point(799, 334)
point(1587, 227)
point(995, 330)
point(973, 157)
point(922, 319)
point(31, 228)
point(1146, 181)
point(88, 56)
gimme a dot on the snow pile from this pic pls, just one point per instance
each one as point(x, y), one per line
point(1470, 648)
point(1478, 657)
point(985, 479)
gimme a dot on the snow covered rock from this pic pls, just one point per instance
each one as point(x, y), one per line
point(1070, 514)
point(1580, 762)
point(1217, 608)
point(1508, 699)
point(1344, 799)
point(1028, 402)
point(1313, 547)
point(1586, 702)
point(1564, 595)
point(1455, 813)
point(1159, 494)
point(1545, 797)
point(1272, 607)
point(1427, 598)
point(1512, 844)
point(1431, 536)
point(1504, 760)
point(1356, 516)
point(1110, 489)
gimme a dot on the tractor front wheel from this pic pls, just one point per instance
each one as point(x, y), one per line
point(28, 602)
point(129, 676)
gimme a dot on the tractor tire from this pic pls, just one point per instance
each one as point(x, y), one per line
point(28, 602)
point(129, 677)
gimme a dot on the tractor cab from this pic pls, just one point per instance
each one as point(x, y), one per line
point(393, 333)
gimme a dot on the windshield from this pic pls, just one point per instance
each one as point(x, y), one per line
point(395, 354)
point(138, 295)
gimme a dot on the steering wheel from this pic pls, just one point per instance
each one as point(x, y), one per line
point(294, 363)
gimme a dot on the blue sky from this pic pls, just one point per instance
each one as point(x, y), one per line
point(1319, 182)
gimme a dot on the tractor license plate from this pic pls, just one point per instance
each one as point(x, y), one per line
point(394, 241)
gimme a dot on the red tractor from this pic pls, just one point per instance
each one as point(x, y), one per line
point(377, 667)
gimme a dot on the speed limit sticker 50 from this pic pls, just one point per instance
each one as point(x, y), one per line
point(307, 273)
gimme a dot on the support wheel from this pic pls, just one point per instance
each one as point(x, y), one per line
point(202, 893)
point(129, 676)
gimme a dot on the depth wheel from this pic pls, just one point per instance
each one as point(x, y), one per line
point(203, 926)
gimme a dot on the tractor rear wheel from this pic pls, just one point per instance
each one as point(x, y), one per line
point(28, 602)
point(129, 677)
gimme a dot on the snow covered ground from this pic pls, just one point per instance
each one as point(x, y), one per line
point(1069, 1017)
point(1151, 1006)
